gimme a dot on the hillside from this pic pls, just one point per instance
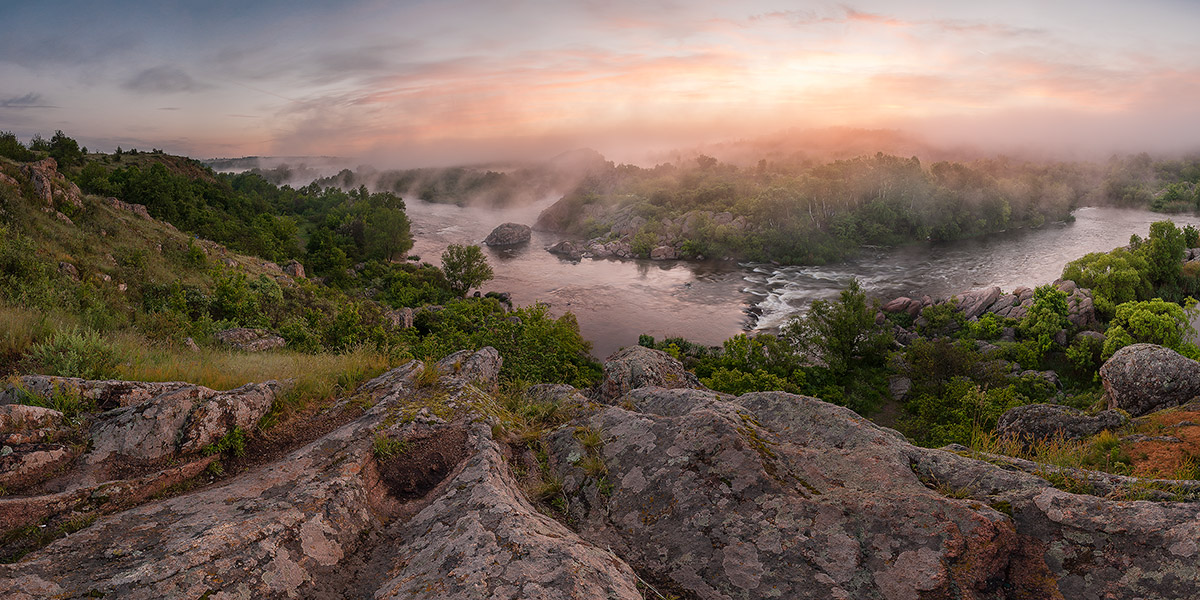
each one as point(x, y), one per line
point(372, 432)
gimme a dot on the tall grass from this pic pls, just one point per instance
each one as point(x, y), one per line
point(315, 379)
point(1102, 452)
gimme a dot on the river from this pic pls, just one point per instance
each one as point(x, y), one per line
point(707, 302)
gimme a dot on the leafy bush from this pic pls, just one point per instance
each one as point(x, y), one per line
point(84, 354)
point(1154, 322)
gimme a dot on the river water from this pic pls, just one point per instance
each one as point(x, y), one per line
point(707, 302)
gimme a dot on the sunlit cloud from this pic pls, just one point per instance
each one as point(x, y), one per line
point(424, 83)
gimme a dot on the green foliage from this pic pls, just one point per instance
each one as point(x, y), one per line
point(231, 444)
point(11, 147)
point(988, 326)
point(1153, 322)
point(385, 446)
point(1114, 277)
point(1048, 315)
point(1084, 355)
point(536, 347)
point(643, 243)
point(941, 319)
point(841, 334)
point(65, 400)
point(465, 267)
point(85, 354)
point(955, 414)
point(65, 150)
point(737, 382)
point(1163, 252)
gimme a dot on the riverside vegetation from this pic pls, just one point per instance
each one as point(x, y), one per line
point(95, 288)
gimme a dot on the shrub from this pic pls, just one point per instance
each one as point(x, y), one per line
point(83, 354)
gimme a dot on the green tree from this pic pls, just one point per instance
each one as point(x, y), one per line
point(841, 334)
point(465, 267)
point(1163, 252)
point(1114, 277)
point(11, 147)
point(1048, 314)
point(1153, 322)
point(65, 150)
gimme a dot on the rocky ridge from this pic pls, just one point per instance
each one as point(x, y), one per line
point(684, 491)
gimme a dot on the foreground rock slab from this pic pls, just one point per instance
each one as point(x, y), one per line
point(685, 490)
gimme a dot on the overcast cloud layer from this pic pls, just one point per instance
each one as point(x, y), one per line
point(421, 83)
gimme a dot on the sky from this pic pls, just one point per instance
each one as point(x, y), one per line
point(411, 83)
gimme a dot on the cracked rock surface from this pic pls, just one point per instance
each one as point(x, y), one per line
point(685, 490)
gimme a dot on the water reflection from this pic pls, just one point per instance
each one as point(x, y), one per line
point(616, 300)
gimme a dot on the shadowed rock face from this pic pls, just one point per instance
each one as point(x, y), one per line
point(700, 494)
point(1037, 422)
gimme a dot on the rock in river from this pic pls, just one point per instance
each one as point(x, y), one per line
point(508, 234)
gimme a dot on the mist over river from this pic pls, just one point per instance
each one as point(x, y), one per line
point(709, 301)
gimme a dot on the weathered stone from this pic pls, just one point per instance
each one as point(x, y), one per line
point(105, 393)
point(1143, 378)
point(663, 253)
point(637, 366)
point(178, 422)
point(481, 367)
point(1038, 422)
point(896, 305)
point(401, 318)
point(508, 234)
point(249, 340)
point(18, 417)
point(976, 302)
point(566, 248)
point(69, 270)
point(41, 178)
point(294, 269)
point(30, 463)
point(137, 209)
point(898, 387)
point(768, 495)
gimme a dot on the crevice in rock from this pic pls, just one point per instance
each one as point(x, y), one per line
point(397, 489)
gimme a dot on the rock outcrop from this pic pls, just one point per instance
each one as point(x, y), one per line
point(1037, 422)
point(106, 394)
point(1143, 378)
point(680, 491)
point(294, 269)
point(637, 366)
point(508, 234)
point(247, 339)
point(566, 248)
point(1081, 311)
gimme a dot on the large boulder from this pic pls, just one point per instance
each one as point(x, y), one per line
point(508, 234)
point(637, 366)
point(180, 422)
point(1038, 422)
point(976, 302)
point(1143, 378)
